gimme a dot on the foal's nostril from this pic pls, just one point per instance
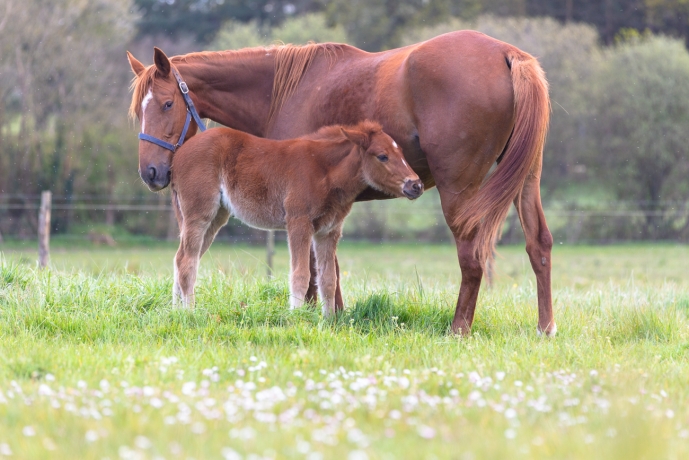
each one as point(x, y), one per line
point(152, 173)
point(417, 187)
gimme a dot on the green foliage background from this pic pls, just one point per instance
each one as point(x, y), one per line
point(617, 76)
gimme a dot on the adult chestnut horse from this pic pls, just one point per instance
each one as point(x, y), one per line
point(455, 104)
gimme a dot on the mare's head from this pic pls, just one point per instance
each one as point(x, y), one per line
point(158, 103)
point(384, 166)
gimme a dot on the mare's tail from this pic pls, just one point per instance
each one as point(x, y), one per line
point(485, 212)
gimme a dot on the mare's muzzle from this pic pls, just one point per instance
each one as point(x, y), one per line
point(156, 177)
point(412, 188)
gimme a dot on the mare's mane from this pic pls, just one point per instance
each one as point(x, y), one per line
point(291, 63)
point(334, 132)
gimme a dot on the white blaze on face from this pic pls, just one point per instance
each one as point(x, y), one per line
point(144, 103)
point(394, 144)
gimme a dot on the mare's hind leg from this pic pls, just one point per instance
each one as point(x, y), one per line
point(312, 291)
point(472, 271)
point(539, 243)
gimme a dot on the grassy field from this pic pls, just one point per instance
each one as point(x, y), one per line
point(94, 362)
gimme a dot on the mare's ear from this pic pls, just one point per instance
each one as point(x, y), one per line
point(359, 138)
point(137, 67)
point(161, 61)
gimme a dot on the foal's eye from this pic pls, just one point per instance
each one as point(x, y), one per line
point(167, 105)
point(382, 158)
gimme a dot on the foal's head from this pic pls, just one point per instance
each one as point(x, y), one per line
point(383, 162)
point(158, 103)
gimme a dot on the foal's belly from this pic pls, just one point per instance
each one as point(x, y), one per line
point(253, 212)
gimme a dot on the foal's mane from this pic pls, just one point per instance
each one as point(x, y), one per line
point(334, 132)
point(291, 63)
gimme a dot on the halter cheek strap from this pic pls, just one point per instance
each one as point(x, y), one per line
point(191, 113)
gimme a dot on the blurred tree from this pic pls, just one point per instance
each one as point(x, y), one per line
point(202, 19)
point(640, 98)
point(297, 30)
point(62, 73)
point(375, 25)
point(668, 16)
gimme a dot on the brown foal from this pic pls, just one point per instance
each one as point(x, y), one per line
point(306, 186)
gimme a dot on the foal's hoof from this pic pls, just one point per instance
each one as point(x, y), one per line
point(550, 330)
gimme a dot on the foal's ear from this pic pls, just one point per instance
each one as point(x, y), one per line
point(161, 61)
point(137, 67)
point(359, 138)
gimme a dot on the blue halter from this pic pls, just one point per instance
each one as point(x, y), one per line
point(191, 112)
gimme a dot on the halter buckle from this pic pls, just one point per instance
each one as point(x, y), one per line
point(183, 87)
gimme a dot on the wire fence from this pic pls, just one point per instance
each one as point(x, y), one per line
point(151, 215)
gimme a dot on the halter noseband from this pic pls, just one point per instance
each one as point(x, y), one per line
point(191, 112)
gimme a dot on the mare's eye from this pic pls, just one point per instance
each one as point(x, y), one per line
point(382, 158)
point(167, 105)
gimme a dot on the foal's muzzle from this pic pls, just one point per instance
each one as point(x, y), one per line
point(412, 188)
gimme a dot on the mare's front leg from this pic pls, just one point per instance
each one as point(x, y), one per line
point(299, 233)
point(325, 247)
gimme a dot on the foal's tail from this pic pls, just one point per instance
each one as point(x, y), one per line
point(484, 213)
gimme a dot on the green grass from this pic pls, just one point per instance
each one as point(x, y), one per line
point(95, 363)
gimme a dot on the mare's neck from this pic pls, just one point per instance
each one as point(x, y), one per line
point(233, 88)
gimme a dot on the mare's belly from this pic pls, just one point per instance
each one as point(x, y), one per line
point(255, 213)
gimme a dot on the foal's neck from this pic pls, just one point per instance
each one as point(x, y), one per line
point(347, 171)
point(232, 88)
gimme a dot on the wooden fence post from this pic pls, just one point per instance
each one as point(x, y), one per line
point(270, 251)
point(44, 229)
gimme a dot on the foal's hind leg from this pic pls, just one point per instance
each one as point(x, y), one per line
point(325, 247)
point(539, 243)
point(312, 292)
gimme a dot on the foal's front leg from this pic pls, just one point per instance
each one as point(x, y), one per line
point(299, 233)
point(187, 263)
point(328, 281)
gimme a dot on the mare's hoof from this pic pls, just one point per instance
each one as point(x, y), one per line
point(550, 331)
